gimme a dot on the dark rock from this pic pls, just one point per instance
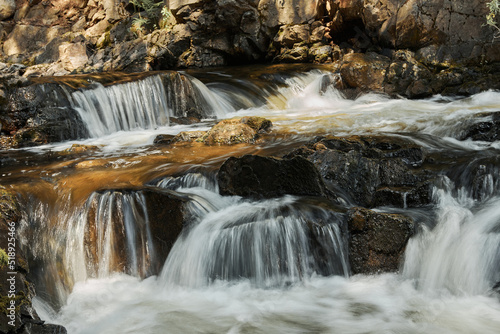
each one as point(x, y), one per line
point(163, 139)
point(24, 316)
point(262, 177)
point(377, 240)
point(40, 114)
point(486, 128)
point(371, 170)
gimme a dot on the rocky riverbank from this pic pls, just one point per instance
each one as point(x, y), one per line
point(411, 48)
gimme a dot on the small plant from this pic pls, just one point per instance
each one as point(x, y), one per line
point(153, 17)
point(491, 18)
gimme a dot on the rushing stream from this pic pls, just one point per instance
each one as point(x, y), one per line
point(241, 265)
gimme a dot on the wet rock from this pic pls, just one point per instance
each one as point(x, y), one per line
point(406, 76)
point(264, 177)
point(189, 136)
point(79, 149)
point(364, 71)
point(23, 314)
point(377, 240)
point(162, 211)
point(40, 114)
point(236, 131)
point(486, 128)
point(371, 170)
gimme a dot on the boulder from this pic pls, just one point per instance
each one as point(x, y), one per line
point(236, 131)
point(73, 56)
point(365, 71)
point(40, 114)
point(371, 170)
point(265, 177)
point(484, 127)
point(7, 9)
point(377, 240)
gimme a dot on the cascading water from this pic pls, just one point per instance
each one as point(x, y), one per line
point(146, 104)
point(278, 265)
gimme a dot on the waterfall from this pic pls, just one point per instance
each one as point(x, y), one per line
point(271, 243)
point(146, 104)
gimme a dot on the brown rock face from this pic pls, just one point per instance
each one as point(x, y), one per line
point(377, 240)
point(364, 71)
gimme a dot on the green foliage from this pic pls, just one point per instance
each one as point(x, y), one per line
point(4, 259)
point(491, 18)
point(153, 17)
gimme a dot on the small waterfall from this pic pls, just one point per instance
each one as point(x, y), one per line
point(271, 243)
point(146, 104)
point(460, 253)
point(136, 105)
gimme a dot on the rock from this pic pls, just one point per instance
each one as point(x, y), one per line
point(7, 9)
point(407, 77)
point(371, 170)
point(291, 34)
point(163, 139)
point(364, 71)
point(78, 149)
point(319, 53)
point(377, 240)
point(263, 177)
point(24, 315)
point(297, 54)
point(287, 12)
point(236, 131)
point(166, 216)
point(486, 127)
point(188, 136)
point(28, 41)
point(73, 56)
point(40, 114)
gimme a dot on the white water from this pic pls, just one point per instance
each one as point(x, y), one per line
point(445, 285)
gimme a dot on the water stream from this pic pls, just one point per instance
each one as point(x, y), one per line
point(248, 266)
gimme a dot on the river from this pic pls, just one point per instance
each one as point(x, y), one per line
point(244, 266)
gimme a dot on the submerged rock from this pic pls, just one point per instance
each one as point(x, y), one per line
point(377, 240)
point(486, 128)
point(263, 177)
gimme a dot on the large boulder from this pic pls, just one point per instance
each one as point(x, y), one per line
point(371, 171)
point(365, 71)
point(377, 241)
point(40, 114)
point(265, 177)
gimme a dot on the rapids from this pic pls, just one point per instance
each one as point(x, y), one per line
point(243, 266)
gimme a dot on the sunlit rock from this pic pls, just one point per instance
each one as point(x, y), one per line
point(7, 9)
